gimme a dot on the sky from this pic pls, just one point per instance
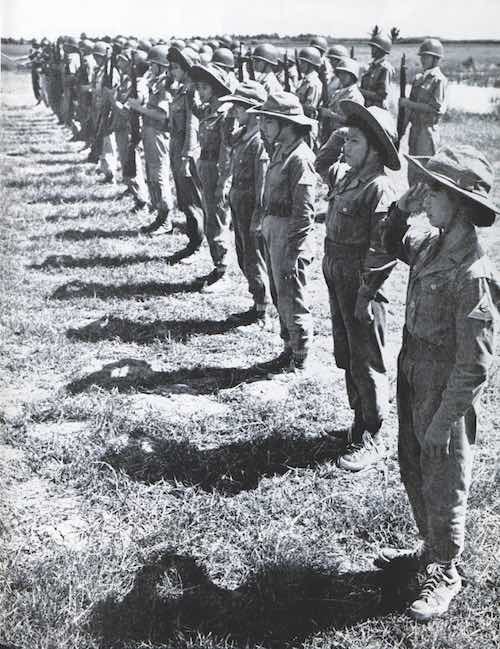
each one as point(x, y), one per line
point(460, 19)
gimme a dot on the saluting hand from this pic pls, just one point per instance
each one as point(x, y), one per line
point(413, 199)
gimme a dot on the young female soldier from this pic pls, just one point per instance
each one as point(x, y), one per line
point(156, 139)
point(448, 343)
point(355, 267)
point(213, 164)
point(184, 145)
point(249, 162)
point(289, 196)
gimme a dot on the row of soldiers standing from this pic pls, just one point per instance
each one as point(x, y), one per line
point(248, 146)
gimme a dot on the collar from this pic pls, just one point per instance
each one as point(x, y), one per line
point(312, 74)
point(354, 178)
point(375, 62)
point(431, 72)
point(248, 135)
point(281, 153)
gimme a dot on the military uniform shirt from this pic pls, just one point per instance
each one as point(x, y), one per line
point(309, 93)
point(378, 78)
point(429, 88)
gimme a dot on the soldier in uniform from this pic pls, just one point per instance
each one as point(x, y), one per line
point(448, 344)
point(223, 58)
point(332, 117)
point(155, 111)
point(287, 227)
point(266, 60)
point(35, 61)
point(185, 147)
point(249, 162)
point(376, 81)
point(213, 163)
point(426, 104)
point(355, 267)
point(86, 73)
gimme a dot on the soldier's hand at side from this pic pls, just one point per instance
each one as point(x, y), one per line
point(436, 442)
point(289, 267)
point(185, 168)
point(363, 310)
point(413, 199)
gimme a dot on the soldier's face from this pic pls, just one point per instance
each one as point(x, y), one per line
point(440, 205)
point(205, 90)
point(259, 66)
point(177, 72)
point(270, 128)
point(241, 114)
point(345, 79)
point(427, 61)
point(355, 148)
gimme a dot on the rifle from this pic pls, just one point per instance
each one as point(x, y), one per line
point(240, 64)
point(299, 73)
point(104, 113)
point(130, 169)
point(325, 96)
point(402, 92)
point(251, 69)
point(352, 52)
point(286, 71)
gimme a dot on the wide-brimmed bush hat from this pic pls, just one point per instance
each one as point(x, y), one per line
point(213, 75)
point(249, 93)
point(381, 126)
point(185, 57)
point(285, 106)
point(465, 171)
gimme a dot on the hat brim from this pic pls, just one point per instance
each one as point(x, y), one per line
point(237, 99)
point(483, 219)
point(201, 73)
point(377, 45)
point(301, 120)
point(176, 56)
point(354, 110)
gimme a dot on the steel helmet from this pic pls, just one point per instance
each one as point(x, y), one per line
point(196, 44)
point(178, 43)
point(266, 52)
point(310, 55)
point(320, 43)
point(159, 55)
point(121, 41)
point(213, 43)
point(125, 54)
point(348, 65)
point(224, 58)
point(71, 42)
point(382, 41)
point(337, 52)
point(144, 46)
point(139, 56)
point(101, 48)
point(205, 58)
point(132, 44)
point(431, 46)
point(87, 46)
point(226, 40)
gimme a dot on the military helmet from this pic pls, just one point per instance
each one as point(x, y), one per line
point(178, 43)
point(132, 44)
point(431, 46)
point(226, 40)
point(125, 54)
point(348, 65)
point(71, 42)
point(45, 41)
point(213, 43)
point(206, 57)
point(267, 53)
point(35, 43)
point(382, 41)
point(337, 52)
point(224, 58)
point(144, 46)
point(320, 43)
point(159, 55)
point(196, 44)
point(120, 40)
point(87, 46)
point(101, 48)
point(310, 55)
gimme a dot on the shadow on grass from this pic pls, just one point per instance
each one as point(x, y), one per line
point(85, 211)
point(110, 328)
point(68, 261)
point(96, 233)
point(130, 375)
point(57, 199)
point(79, 289)
point(173, 598)
point(228, 469)
point(58, 161)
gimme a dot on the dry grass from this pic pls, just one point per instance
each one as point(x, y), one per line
point(154, 494)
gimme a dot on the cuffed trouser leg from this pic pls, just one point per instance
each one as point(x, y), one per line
point(216, 213)
point(290, 295)
point(249, 249)
point(358, 346)
point(437, 487)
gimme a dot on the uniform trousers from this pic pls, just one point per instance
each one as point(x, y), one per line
point(137, 184)
point(216, 224)
point(188, 192)
point(437, 488)
point(289, 295)
point(358, 346)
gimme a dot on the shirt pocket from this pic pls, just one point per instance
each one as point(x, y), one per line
point(434, 307)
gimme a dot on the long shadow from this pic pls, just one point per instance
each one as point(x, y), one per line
point(85, 211)
point(228, 469)
point(78, 289)
point(279, 606)
point(68, 261)
point(130, 374)
point(59, 161)
point(41, 181)
point(57, 199)
point(110, 328)
point(96, 233)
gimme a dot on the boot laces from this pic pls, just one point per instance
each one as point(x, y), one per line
point(434, 579)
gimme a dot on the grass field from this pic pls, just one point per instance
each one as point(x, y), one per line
point(155, 492)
